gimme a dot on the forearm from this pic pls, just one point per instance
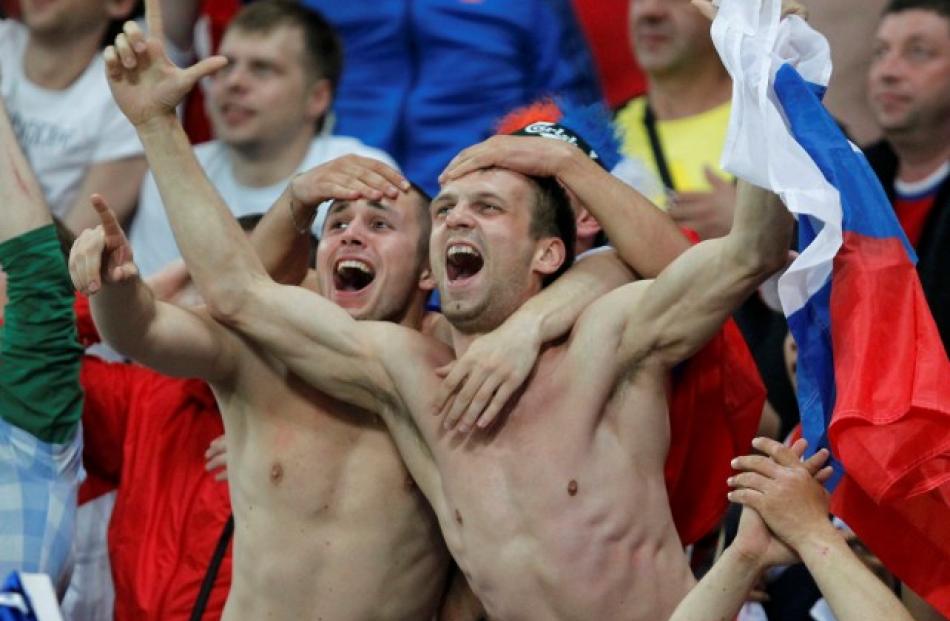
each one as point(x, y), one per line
point(721, 592)
point(123, 313)
point(282, 239)
point(852, 591)
point(24, 207)
point(219, 256)
point(553, 311)
point(762, 228)
point(644, 236)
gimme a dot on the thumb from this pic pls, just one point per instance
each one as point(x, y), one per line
point(204, 68)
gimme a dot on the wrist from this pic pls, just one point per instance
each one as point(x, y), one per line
point(158, 124)
point(750, 564)
point(816, 540)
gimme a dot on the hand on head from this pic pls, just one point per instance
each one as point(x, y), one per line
point(528, 155)
point(348, 178)
point(145, 84)
point(102, 254)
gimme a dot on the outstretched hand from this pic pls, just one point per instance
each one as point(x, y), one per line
point(102, 254)
point(476, 387)
point(144, 82)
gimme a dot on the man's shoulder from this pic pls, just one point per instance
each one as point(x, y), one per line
point(325, 148)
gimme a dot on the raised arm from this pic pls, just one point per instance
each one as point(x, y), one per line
point(670, 318)
point(163, 336)
point(795, 508)
point(317, 339)
point(726, 586)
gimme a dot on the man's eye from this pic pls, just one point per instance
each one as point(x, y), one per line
point(381, 224)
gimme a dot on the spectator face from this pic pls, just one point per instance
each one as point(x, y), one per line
point(265, 96)
point(909, 80)
point(668, 35)
point(63, 18)
point(482, 253)
point(371, 257)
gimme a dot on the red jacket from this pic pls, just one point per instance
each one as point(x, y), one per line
point(146, 434)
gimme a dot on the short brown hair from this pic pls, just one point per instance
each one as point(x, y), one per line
point(553, 216)
point(324, 52)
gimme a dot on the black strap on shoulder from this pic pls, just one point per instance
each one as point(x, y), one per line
point(212, 573)
point(649, 123)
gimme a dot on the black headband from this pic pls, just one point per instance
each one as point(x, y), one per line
point(547, 129)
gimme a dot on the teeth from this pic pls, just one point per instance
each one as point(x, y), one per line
point(462, 249)
point(353, 264)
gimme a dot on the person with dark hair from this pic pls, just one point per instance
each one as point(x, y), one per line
point(269, 109)
point(557, 508)
point(909, 93)
point(53, 82)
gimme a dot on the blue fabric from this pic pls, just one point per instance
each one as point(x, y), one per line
point(423, 79)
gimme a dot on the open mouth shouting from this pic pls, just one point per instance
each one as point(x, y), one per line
point(462, 261)
point(352, 275)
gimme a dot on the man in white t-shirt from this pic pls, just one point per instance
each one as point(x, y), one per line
point(54, 87)
point(268, 110)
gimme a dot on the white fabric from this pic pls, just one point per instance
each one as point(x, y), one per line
point(62, 132)
point(153, 243)
point(753, 45)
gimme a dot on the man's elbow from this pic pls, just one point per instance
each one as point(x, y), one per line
point(227, 299)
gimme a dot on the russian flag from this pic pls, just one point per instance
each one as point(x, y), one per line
point(873, 377)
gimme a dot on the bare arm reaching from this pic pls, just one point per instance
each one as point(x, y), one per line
point(723, 590)
point(795, 508)
point(673, 316)
point(170, 339)
point(317, 339)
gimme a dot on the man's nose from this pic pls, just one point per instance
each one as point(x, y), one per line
point(459, 216)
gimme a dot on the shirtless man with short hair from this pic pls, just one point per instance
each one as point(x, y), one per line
point(328, 522)
point(559, 510)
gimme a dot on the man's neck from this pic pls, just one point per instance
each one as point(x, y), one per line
point(921, 155)
point(56, 62)
point(686, 93)
point(264, 165)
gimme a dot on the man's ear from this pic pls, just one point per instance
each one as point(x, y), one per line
point(319, 99)
point(587, 225)
point(426, 278)
point(549, 256)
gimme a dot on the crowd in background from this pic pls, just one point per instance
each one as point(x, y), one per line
point(114, 462)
